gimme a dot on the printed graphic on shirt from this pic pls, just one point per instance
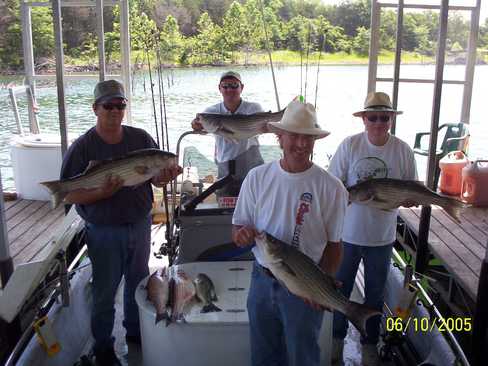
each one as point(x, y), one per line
point(302, 211)
point(370, 168)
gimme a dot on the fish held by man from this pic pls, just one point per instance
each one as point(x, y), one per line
point(205, 293)
point(134, 168)
point(388, 194)
point(158, 294)
point(237, 127)
point(303, 278)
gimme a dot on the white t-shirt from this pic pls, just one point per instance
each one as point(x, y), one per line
point(226, 150)
point(303, 209)
point(357, 159)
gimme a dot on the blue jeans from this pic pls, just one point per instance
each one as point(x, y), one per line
point(376, 268)
point(284, 329)
point(116, 251)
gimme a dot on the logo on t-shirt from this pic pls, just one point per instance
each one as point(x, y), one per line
point(370, 168)
point(302, 210)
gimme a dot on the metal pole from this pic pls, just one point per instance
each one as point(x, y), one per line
point(470, 63)
point(480, 321)
point(374, 44)
point(6, 262)
point(58, 39)
point(101, 39)
point(125, 56)
point(13, 100)
point(28, 55)
point(422, 257)
point(398, 60)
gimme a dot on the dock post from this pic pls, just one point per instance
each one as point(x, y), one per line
point(480, 321)
point(422, 256)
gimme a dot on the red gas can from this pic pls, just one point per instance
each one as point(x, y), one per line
point(475, 183)
point(451, 172)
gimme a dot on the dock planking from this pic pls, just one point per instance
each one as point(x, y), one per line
point(460, 246)
point(30, 225)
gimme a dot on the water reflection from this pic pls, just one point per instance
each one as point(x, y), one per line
point(341, 91)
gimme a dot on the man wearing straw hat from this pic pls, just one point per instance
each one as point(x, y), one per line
point(369, 233)
point(301, 204)
point(246, 152)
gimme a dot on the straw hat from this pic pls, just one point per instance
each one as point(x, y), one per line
point(299, 118)
point(377, 102)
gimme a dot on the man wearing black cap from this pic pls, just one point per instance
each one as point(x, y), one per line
point(246, 152)
point(117, 218)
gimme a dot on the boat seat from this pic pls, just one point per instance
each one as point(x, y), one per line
point(454, 137)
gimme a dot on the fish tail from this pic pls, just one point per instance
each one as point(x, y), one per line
point(162, 316)
point(210, 308)
point(57, 195)
point(358, 314)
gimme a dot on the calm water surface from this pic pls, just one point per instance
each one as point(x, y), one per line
point(341, 91)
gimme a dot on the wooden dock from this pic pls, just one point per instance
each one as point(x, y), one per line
point(30, 226)
point(460, 246)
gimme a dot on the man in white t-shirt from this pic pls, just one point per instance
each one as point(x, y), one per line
point(301, 204)
point(245, 152)
point(369, 233)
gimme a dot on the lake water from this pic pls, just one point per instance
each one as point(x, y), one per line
point(341, 91)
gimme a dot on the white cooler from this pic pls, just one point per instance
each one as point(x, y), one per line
point(35, 158)
point(219, 338)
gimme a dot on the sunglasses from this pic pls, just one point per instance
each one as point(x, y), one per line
point(230, 86)
point(110, 106)
point(375, 118)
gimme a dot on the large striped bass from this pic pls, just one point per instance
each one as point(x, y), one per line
point(302, 277)
point(236, 127)
point(388, 194)
point(134, 168)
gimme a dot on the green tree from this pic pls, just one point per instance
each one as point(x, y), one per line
point(361, 42)
point(209, 46)
point(171, 40)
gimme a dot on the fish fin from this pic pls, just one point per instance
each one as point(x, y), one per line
point(358, 315)
point(210, 308)
point(92, 164)
point(140, 169)
point(213, 296)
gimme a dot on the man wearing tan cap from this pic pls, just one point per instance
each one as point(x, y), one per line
point(301, 204)
point(369, 233)
point(117, 218)
point(246, 152)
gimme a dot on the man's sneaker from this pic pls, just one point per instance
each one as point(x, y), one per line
point(337, 350)
point(370, 355)
point(106, 357)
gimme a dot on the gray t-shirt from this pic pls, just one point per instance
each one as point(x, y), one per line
point(129, 204)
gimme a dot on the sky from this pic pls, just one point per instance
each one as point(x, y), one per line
point(483, 14)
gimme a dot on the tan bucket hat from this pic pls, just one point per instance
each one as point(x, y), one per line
point(299, 118)
point(377, 102)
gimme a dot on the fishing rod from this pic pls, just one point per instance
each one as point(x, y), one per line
point(160, 81)
point(306, 63)
point(318, 68)
point(269, 55)
point(134, 74)
point(152, 96)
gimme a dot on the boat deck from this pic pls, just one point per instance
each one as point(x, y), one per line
point(460, 246)
point(30, 226)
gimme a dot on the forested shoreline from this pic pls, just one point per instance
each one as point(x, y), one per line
point(219, 32)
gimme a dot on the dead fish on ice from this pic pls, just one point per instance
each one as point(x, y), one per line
point(158, 293)
point(205, 293)
point(182, 295)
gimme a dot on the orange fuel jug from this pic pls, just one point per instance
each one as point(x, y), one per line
point(475, 181)
point(451, 172)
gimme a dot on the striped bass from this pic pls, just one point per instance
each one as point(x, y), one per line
point(134, 168)
point(237, 127)
point(388, 194)
point(303, 278)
